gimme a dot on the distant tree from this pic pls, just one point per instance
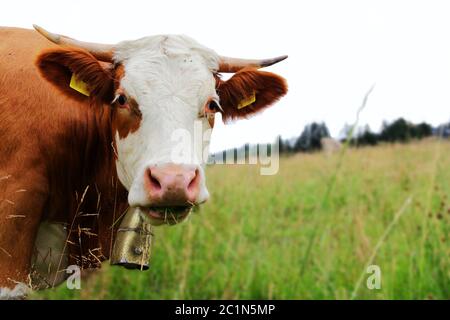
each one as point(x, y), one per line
point(402, 130)
point(421, 130)
point(366, 138)
point(399, 130)
point(310, 138)
point(283, 145)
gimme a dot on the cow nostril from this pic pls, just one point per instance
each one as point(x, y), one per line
point(154, 182)
point(194, 182)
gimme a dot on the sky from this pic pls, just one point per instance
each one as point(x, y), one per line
point(337, 51)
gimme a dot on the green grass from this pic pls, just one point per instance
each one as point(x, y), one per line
point(251, 240)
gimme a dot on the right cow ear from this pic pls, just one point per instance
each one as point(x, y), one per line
point(248, 92)
point(78, 74)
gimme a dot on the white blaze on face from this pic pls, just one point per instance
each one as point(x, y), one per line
point(171, 79)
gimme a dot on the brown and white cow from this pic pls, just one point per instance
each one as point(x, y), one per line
point(87, 130)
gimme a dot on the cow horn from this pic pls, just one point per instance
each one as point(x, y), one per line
point(103, 52)
point(227, 64)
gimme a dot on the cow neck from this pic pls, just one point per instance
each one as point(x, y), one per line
point(84, 189)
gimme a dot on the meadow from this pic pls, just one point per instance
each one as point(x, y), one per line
point(308, 232)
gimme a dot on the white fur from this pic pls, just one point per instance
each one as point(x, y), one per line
point(171, 78)
point(20, 291)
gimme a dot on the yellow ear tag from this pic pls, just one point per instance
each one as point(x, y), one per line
point(247, 101)
point(79, 85)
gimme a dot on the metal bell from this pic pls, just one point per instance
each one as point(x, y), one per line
point(133, 241)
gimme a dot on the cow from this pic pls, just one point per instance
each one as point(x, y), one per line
point(87, 131)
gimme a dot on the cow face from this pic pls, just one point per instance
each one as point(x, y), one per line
point(170, 86)
point(164, 92)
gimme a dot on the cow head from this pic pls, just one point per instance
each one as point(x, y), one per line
point(161, 89)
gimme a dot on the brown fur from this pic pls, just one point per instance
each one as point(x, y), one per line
point(128, 119)
point(57, 158)
point(57, 66)
point(268, 88)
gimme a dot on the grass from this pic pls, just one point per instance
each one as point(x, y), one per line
point(386, 205)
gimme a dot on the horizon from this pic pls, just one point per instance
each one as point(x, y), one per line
point(340, 137)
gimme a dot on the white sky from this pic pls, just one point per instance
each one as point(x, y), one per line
point(337, 50)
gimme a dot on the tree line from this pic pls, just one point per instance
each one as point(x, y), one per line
point(399, 130)
point(310, 139)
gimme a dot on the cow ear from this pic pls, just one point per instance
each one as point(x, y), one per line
point(77, 74)
point(249, 91)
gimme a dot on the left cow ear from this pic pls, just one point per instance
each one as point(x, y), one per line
point(77, 74)
point(249, 91)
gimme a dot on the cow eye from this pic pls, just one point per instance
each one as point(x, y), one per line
point(122, 100)
point(213, 106)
